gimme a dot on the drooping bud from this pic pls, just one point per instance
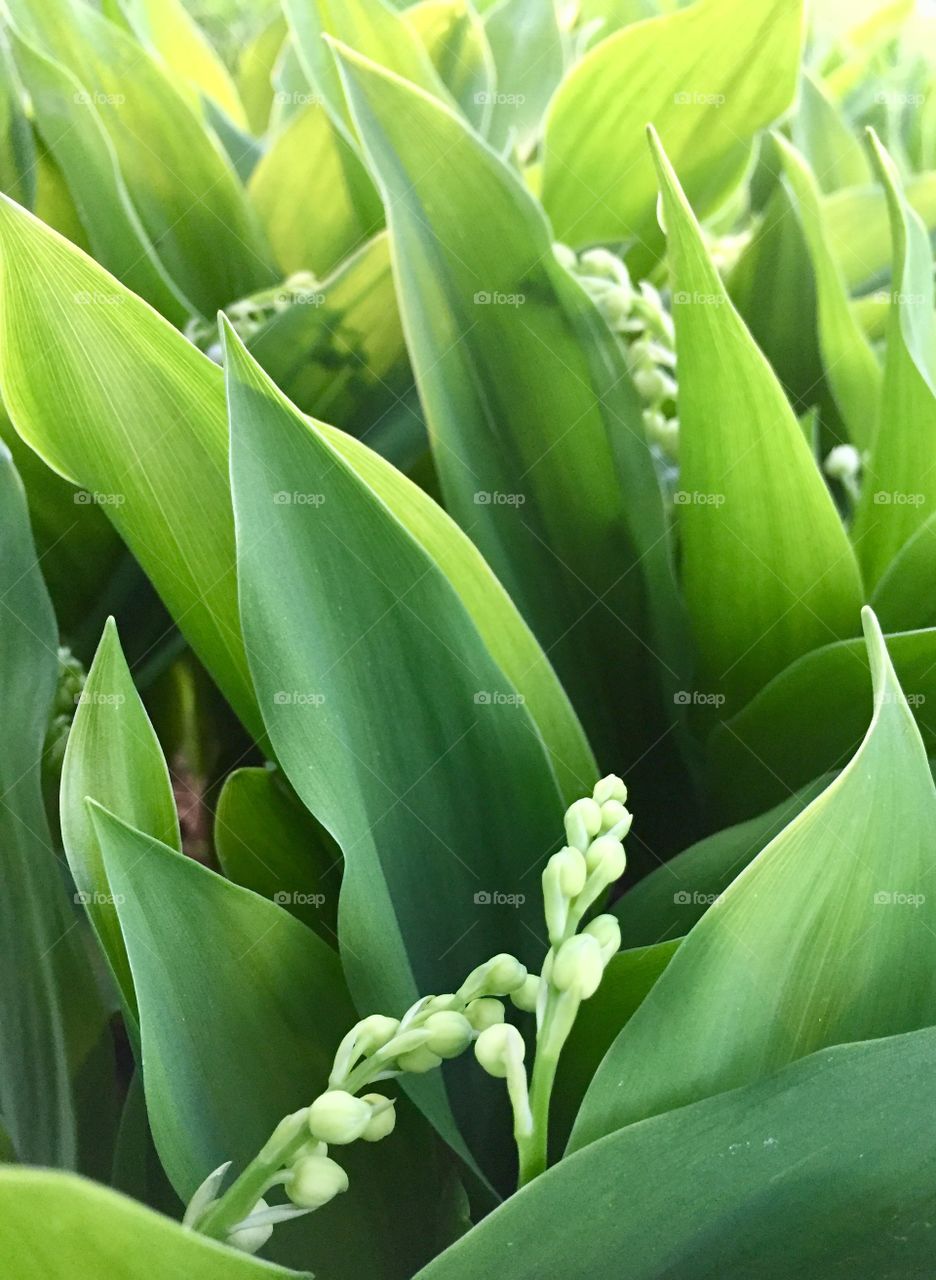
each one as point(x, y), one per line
point(563, 879)
point(610, 788)
point(486, 1012)
point(577, 966)
point(383, 1117)
point(450, 1033)
point(449, 1001)
point(582, 823)
point(525, 997)
point(418, 1061)
point(607, 933)
point(496, 977)
point(607, 856)
point(314, 1181)
point(338, 1117)
point(250, 1239)
point(616, 819)
point(498, 1048)
point(373, 1033)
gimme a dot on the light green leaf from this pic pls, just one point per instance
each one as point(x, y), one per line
point(811, 1161)
point(857, 221)
point(186, 193)
point(707, 77)
point(17, 144)
point(76, 137)
point(851, 367)
point(54, 1226)
point(905, 596)
point(529, 406)
point(526, 42)
point(113, 756)
point(254, 72)
point(898, 493)
point(823, 135)
point(215, 967)
point(455, 39)
point(51, 1019)
point(760, 755)
point(821, 922)
point(268, 842)
point(753, 505)
point(314, 198)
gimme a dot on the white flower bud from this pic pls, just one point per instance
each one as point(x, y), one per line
point(314, 1181)
point(582, 823)
point(250, 1239)
point(843, 463)
point(607, 855)
point(383, 1117)
point(525, 997)
point(496, 1047)
point(616, 819)
point(439, 1003)
point(418, 1061)
point(610, 788)
point(450, 1033)
point(486, 1012)
point(607, 933)
point(565, 256)
point(496, 977)
point(338, 1117)
point(577, 967)
point(373, 1033)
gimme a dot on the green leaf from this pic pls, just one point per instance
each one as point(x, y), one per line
point(82, 148)
point(851, 367)
point(454, 36)
point(113, 756)
point(268, 842)
point(671, 899)
point(528, 401)
point(760, 755)
point(821, 132)
point(898, 494)
point(17, 144)
point(526, 41)
point(904, 597)
point(811, 1161)
point(858, 220)
point(217, 967)
point(822, 920)
point(753, 506)
point(255, 68)
point(55, 1226)
point(51, 1017)
point(186, 193)
point(708, 77)
point(311, 166)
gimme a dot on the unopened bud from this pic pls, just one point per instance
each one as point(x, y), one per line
point(486, 1012)
point(250, 1239)
point(418, 1061)
point(607, 933)
point(578, 966)
point(582, 823)
point(616, 819)
point(607, 856)
point(450, 1033)
point(496, 977)
point(610, 788)
point(383, 1117)
point(286, 1130)
point(373, 1033)
point(525, 997)
point(338, 1117)
point(497, 1047)
point(843, 462)
point(314, 1181)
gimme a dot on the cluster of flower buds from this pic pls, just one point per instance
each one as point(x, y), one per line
point(71, 682)
point(642, 323)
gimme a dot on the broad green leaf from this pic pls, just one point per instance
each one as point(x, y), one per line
point(74, 133)
point(851, 367)
point(51, 1019)
point(674, 897)
point(707, 77)
point(858, 227)
point(183, 188)
point(215, 967)
point(254, 73)
point(905, 596)
point(165, 28)
point(54, 1226)
point(113, 756)
point(455, 39)
point(899, 492)
point(313, 196)
point(827, 937)
point(526, 42)
point(753, 505)
point(760, 755)
point(528, 404)
point(792, 1176)
point(369, 26)
point(268, 842)
point(821, 132)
